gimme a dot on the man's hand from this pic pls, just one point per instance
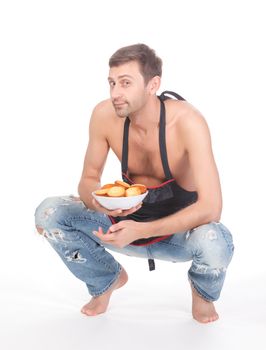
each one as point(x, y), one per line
point(122, 233)
point(117, 212)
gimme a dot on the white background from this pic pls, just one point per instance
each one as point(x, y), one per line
point(53, 70)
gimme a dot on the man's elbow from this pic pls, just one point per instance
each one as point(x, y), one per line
point(211, 211)
point(214, 212)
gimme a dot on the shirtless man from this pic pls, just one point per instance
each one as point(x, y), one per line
point(178, 220)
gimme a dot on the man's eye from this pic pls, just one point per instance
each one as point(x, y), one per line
point(126, 83)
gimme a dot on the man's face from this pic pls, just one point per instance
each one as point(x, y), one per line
point(127, 89)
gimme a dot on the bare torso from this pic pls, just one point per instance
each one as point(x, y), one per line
point(144, 160)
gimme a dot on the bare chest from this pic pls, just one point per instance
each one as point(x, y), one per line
point(145, 157)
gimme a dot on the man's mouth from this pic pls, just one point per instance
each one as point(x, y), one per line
point(117, 105)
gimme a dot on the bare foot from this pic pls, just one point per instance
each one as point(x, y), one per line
point(202, 310)
point(98, 305)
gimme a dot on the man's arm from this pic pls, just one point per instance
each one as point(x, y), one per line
point(197, 141)
point(95, 157)
point(94, 161)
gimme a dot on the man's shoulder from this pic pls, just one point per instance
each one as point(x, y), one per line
point(104, 107)
point(103, 113)
point(184, 113)
point(187, 121)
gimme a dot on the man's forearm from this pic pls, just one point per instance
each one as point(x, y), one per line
point(86, 186)
point(185, 219)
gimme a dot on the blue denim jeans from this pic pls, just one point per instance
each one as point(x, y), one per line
point(68, 224)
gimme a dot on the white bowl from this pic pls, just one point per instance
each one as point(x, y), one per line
point(113, 203)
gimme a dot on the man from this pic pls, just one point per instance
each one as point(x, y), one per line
point(164, 144)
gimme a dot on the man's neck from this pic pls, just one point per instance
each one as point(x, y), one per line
point(148, 118)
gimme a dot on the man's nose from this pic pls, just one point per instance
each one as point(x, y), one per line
point(116, 92)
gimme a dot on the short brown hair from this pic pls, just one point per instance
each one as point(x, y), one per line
point(150, 64)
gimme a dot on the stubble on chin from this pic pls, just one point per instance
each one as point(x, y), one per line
point(121, 113)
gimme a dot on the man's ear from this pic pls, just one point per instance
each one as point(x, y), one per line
point(154, 84)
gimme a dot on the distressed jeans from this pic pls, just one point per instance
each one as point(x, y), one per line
point(68, 225)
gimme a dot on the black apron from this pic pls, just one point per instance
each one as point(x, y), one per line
point(162, 200)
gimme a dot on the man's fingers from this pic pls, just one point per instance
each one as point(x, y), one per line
point(116, 227)
point(132, 210)
point(116, 212)
point(99, 233)
point(107, 237)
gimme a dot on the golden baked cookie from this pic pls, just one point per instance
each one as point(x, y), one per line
point(133, 191)
point(121, 189)
point(142, 188)
point(101, 192)
point(116, 191)
point(107, 186)
point(122, 183)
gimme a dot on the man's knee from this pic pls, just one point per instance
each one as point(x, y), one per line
point(39, 229)
point(46, 211)
point(55, 210)
point(212, 244)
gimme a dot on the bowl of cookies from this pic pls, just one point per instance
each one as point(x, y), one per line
point(120, 195)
